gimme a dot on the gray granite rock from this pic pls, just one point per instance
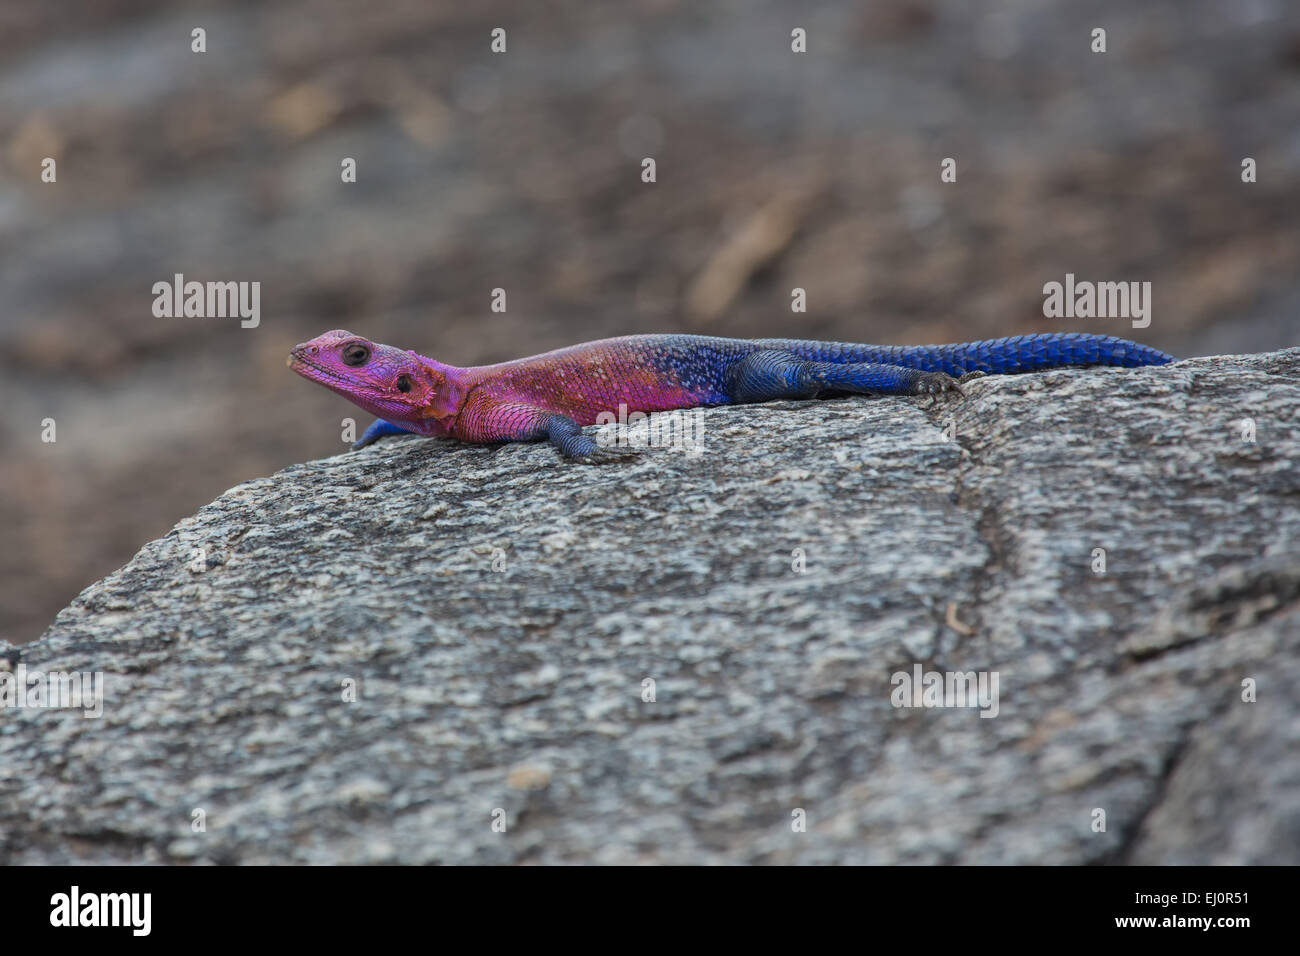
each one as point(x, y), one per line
point(499, 612)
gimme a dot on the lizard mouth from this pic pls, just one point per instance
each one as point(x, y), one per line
point(315, 372)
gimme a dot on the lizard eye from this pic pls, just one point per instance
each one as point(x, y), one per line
point(403, 383)
point(355, 354)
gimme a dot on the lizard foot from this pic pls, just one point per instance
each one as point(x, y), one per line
point(936, 384)
point(376, 431)
point(602, 455)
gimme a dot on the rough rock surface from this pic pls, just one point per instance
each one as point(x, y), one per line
point(499, 610)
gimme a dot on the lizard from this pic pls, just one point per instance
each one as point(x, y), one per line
point(553, 395)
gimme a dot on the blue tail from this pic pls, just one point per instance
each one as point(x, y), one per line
point(1029, 353)
point(1019, 353)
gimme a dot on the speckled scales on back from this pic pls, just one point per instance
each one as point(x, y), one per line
point(646, 373)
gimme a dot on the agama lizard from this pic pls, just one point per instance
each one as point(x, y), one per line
point(554, 395)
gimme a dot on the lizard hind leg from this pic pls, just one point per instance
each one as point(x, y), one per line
point(764, 375)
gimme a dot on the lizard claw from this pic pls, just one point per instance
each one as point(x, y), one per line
point(602, 455)
point(937, 383)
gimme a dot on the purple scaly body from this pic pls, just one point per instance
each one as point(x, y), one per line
point(553, 395)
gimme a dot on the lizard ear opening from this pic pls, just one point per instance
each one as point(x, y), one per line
point(403, 383)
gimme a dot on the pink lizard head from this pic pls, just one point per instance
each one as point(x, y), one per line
point(398, 386)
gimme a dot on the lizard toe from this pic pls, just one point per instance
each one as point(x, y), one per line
point(609, 456)
point(935, 383)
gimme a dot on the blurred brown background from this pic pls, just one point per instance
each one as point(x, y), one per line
point(522, 171)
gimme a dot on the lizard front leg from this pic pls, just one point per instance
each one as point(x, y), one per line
point(378, 430)
point(489, 420)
